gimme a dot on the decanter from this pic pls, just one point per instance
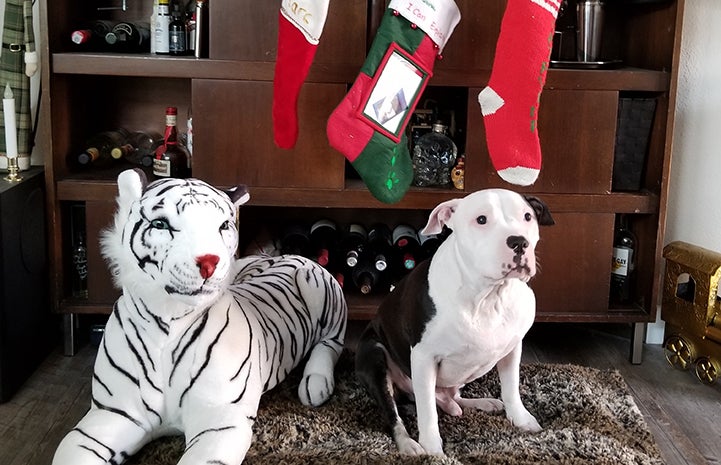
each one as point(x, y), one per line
point(434, 156)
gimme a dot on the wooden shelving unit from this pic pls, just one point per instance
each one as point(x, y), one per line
point(231, 91)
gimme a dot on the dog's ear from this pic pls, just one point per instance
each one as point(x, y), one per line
point(543, 215)
point(440, 216)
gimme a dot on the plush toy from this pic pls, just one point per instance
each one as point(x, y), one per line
point(197, 336)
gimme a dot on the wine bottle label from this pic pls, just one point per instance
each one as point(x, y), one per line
point(621, 261)
point(161, 168)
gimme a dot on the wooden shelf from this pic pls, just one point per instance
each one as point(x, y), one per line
point(147, 65)
point(355, 195)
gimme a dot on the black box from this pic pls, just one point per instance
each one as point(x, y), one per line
point(27, 328)
point(633, 129)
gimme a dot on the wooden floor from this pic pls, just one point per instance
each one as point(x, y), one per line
point(683, 414)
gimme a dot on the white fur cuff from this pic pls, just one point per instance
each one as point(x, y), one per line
point(31, 57)
point(437, 18)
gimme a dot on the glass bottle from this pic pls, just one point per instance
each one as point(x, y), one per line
point(434, 156)
point(141, 146)
point(296, 239)
point(171, 158)
point(80, 268)
point(324, 240)
point(405, 242)
point(178, 41)
point(365, 276)
point(354, 243)
point(103, 147)
point(129, 36)
point(162, 28)
point(92, 36)
point(380, 245)
point(623, 264)
point(428, 244)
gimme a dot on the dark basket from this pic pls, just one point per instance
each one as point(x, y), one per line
point(635, 117)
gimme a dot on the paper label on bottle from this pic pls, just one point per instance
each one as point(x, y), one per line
point(161, 168)
point(621, 261)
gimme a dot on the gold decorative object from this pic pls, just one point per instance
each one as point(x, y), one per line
point(692, 309)
point(13, 170)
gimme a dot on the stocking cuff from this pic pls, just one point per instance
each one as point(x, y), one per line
point(31, 57)
point(307, 15)
point(437, 18)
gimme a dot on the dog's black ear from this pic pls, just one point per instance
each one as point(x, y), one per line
point(543, 215)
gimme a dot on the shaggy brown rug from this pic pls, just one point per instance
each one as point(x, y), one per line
point(588, 417)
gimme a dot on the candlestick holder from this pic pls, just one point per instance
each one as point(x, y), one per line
point(13, 170)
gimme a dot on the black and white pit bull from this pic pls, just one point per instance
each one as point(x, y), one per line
point(458, 315)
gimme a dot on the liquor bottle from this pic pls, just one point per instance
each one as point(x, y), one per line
point(296, 239)
point(171, 158)
point(80, 268)
point(380, 245)
point(405, 243)
point(623, 264)
point(103, 147)
point(141, 146)
point(153, 27)
point(162, 28)
point(354, 243)
point(129, 36)
point(178, 41)
point(434, 156)
point(324, 241)
point(365, 275)
point(190, 22)
point(201, 29)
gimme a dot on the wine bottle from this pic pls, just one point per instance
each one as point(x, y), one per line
point(141, 146)
point(380, 245)
point(129, 36)
point(103, 147)
point(162, 28)
point(296, 239)
point(171, 158)
point(178, 40)
point(324, 240)
point(623, 264)
point(80, 268)
point(354, 243)
point(365, 275)
point(405, 243)
point(92, 36)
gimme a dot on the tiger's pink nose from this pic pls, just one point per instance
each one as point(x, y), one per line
point(207, 264)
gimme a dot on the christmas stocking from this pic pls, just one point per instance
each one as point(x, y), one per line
point(300, 24)
point(368, 127)
point(510, 102)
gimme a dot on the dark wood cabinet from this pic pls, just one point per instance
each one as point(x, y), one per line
point(231, 93)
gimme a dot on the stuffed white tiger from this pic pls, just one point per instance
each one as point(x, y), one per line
point(197, 336)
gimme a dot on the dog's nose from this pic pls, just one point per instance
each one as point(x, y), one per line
point(517, 243)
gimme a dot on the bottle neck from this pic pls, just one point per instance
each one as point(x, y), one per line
point(171, 131)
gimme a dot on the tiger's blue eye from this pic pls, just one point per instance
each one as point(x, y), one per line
point(481, 219)
point(528, 216)
point(160, 223)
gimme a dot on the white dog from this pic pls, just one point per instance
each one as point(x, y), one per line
point(458, 315)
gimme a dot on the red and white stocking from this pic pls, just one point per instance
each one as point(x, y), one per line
point(510, 102)
point(300, 25)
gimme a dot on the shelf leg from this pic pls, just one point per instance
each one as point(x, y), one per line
point(69, 342)
point(637, 335)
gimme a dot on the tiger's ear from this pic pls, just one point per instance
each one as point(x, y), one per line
point(238, 194)
point(131, 185)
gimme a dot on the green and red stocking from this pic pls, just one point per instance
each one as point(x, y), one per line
point(368, 126)
point(510, 102)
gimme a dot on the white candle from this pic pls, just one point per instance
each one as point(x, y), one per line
point(11, 129)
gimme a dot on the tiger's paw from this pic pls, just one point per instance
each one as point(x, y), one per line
point(315, 389)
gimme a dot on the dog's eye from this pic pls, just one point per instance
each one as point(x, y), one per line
point(528, 216)
point(481, 219)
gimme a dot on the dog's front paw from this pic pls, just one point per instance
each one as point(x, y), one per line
point(431, 446)
point(315, 389)
point(525, 422)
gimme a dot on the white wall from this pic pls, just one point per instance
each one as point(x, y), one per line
point(694, 201)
